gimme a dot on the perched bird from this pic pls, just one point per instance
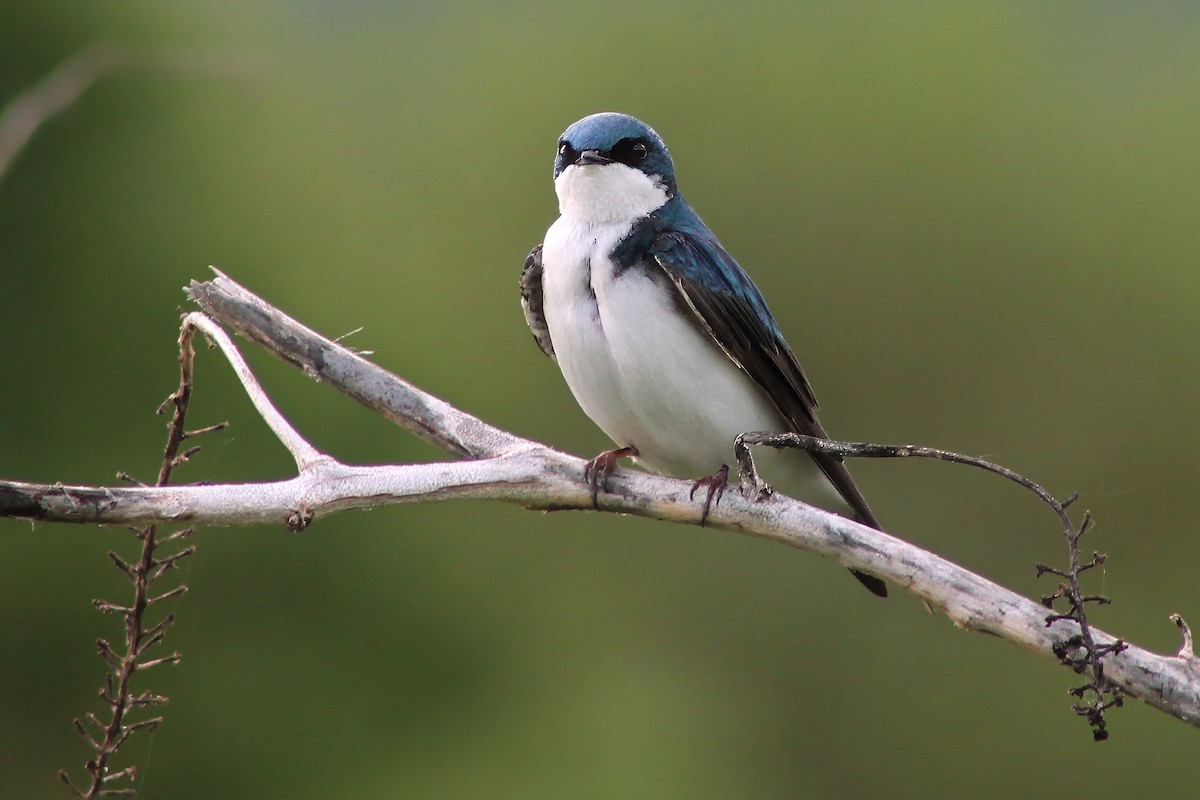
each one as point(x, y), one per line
point(665, 342)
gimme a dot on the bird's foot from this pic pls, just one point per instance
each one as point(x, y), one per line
point(597, 470)
point(753, 487)
point(716, 487)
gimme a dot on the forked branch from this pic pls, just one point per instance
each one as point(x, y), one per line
point(497, 465)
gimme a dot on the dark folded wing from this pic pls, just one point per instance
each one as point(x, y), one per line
point(731, 310)
point(531, 301)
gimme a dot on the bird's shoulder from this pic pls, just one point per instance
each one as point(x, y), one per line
point(723, 301)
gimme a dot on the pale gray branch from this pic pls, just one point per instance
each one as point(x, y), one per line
point(25, 113)
point(429, 417)
point(502, 466)
point(62, 88)
point(304, 453)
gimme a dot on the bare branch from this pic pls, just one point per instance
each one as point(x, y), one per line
point(516, 470)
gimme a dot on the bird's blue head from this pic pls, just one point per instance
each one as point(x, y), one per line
point(608, 137)
point(612, 167)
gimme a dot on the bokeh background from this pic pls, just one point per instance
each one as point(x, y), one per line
point(977, 224)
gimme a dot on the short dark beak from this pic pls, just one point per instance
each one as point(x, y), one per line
point(592, 157)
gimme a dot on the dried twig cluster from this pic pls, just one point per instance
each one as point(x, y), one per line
point(1081, 652)
point(107, 737)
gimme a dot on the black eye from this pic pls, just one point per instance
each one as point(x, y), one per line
point(566, 157)
point(566, 153)
point(629, 151)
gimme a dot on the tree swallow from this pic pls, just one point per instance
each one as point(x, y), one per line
point(665, 342)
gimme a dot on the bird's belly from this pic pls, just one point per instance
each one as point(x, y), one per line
point(683, 400)
point(645, 372)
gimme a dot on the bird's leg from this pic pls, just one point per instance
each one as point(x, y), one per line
point(599, 468)
point(716, 487)
point(754, 488)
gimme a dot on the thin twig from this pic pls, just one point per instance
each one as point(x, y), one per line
point(1185, 651)
point(1080, 653)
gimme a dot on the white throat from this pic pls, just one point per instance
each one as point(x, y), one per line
point(607, 193)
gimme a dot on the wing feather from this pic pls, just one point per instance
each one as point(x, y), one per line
point(727, 305)
point(531, 302)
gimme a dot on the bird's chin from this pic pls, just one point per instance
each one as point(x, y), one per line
point(608, 193)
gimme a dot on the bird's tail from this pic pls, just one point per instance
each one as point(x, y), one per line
point(874, 585)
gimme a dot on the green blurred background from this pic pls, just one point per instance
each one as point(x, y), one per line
point(977, 224)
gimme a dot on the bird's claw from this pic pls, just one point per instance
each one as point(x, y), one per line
point(716, 487)
point(597, 471)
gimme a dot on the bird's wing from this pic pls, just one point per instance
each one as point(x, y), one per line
point(730, 309)
point(531, 301)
